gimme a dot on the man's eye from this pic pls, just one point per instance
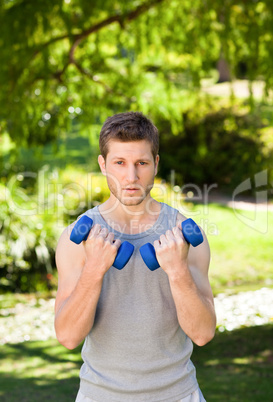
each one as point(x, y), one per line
point(142, 163)
point(119, 162)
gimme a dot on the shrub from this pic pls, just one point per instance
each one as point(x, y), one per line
point(33, 214)
point(224, 146)
point(27, 249)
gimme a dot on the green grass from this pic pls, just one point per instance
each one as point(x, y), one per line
point(38, 371)
point(241, 255)
point(236, 366)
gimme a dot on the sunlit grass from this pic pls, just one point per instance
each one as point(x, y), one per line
point(235, 366)
point(37, 371)
point(241, 254)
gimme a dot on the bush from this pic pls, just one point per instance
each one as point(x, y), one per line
point(33, 213)
point(27, 248)
point(224, 146)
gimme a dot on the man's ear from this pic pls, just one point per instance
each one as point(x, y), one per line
point(156, 164)
point(101, 162)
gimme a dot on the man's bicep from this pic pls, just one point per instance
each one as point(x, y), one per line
point(199, 260)
point(70, 259)
point(200, 256)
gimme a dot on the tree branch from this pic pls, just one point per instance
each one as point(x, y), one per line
point(109, 90)
point(78, 38)
point(120, 18)
point(86, 72)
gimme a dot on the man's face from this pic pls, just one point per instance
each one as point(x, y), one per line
point(130, 169)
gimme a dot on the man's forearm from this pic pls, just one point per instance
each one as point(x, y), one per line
point(75, 316)
point(195, 312)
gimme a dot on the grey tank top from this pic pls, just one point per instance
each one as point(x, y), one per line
point(136, 350)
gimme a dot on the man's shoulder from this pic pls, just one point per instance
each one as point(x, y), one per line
point(169, 209)
point(65, 236)
point(180, 217)
point(91, 212)
point(172, 212)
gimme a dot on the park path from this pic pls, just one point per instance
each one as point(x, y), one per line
point(236, 203)
point(240, 89)
point(243, 204)
point(33, 318)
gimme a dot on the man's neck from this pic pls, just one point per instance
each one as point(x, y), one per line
point(130, 219)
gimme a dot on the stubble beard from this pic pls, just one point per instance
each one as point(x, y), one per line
point(129, 200)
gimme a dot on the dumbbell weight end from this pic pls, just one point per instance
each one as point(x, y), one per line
point(147, 252)
point(125, 251)
point(81, 231)
point(192, 234)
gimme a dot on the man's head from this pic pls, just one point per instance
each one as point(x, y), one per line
point(128, 127)
point(129, 158)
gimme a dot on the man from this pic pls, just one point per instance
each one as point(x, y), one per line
point(138, 324)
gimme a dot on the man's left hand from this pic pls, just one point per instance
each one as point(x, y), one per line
point(172, 251)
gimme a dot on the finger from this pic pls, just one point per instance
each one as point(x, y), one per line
point(169, 235)
point(179, 224)
point(104, 233)
point(156, 244)
point(117, 243)
point(94, 232)
point(177, 233)
point(110, 237)
point(163, 240)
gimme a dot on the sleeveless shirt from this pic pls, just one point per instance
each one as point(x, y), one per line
point(136, 350)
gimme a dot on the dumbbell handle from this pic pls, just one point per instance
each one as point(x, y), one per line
point(192, 234)
point(81, 231)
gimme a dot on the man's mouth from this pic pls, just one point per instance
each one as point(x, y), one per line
point(131, 189)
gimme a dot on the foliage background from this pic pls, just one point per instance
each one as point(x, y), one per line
point(67, 65)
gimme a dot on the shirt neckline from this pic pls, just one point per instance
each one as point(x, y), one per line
point(134, 236)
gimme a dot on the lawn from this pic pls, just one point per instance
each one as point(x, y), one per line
point(241, 255)
point(38, 371)
point(236, 366)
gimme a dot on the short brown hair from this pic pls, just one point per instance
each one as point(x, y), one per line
point(128, 126)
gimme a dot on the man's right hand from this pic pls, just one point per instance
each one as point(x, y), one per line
point(101, 248)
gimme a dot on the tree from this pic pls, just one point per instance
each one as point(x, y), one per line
point(70, 61)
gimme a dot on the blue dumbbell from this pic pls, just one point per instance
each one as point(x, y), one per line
point(191, 233)
point(81, 231)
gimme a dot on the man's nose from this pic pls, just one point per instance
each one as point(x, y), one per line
point(132, 175)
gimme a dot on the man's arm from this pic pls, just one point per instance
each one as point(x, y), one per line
point(81, 269)
point(187, 268)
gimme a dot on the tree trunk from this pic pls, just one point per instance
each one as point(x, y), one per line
point(223, 69)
